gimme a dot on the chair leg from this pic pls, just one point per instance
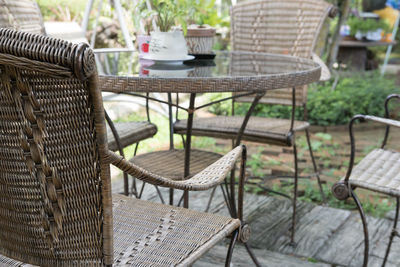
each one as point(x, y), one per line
point(210, 199)
point(365, 227)
point(392, 235)
point(296, 178)
point(315, 167)
point(253, 257)
point(231, 247)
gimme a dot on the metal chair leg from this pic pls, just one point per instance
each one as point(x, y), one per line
point(292, 242)
point(253, 257)
point(231, 247)
point(392, 235)
point(365, 227)
point(210, 199)
point(315, 167)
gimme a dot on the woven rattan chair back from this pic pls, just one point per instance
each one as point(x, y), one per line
point(22, 15)
point(288, 27)
point(55, 200)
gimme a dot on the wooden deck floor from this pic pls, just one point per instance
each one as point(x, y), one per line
point(325, 236)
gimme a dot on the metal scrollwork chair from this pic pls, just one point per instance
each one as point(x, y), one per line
point(56, 204)
point(378, 171)
point(25, 15)
point(281, 27)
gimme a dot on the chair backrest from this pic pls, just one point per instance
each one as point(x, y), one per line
point(22, 15)
point(281, 27)
point(55, 200)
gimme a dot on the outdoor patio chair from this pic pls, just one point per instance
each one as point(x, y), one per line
point(281, 27)
point(55, 191)
point(25, 15)
point(378, 171)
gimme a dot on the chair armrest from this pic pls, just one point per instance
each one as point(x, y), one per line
point(386, 121)
point(325, 72)
point(208, 178)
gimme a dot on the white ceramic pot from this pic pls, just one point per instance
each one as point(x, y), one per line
point(168, 45)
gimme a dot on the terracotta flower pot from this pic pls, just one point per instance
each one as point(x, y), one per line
point(200, 40)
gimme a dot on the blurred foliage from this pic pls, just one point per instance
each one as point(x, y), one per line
point(365, 25)
point(361, 93)
point(62, 10)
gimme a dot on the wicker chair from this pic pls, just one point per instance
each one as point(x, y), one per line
point(25, 15)
point(55, 191)
point(378, 171)
point(281, 27)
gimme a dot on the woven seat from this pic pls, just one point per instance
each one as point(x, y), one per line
point(130, 133)
point(258, 129)
point(378, 171)
point(164, 235)
point(148, 234)
point(170, 163)
point(55, 187)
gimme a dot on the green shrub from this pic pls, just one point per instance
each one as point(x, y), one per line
point(359, 94)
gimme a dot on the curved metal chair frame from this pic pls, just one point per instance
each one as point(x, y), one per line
point(357, 176)
point(257, 26)
point(55, 185)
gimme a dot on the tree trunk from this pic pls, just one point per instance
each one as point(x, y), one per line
point(343, 14)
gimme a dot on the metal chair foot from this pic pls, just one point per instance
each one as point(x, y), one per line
point(394, 232)
point(365, 227)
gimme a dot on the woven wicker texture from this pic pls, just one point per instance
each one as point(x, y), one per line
point(163, 235)
point(25, 15)
point(170, 163)
point(149, 234)
point(258, 129)
point(55, 192)
point(207, 178)
point(379, 171)
point(22, 15)
point(49, 175)
point(130, 133)
point(289, 27)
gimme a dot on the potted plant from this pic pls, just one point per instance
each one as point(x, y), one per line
point(200, 36)
point(367, 29)
point(167, 40)
point(143, 25)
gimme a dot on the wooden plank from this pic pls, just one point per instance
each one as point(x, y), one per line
point(216, 257)
point(315, 229)
point(271, 223)
point(346, 246)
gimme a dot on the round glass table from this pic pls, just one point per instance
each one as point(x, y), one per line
point(236, 72)
point(228, 72)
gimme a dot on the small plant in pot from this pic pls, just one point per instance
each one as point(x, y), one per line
point(200, 36)
point(367, 29)
point(167, 41)
point(143, 26)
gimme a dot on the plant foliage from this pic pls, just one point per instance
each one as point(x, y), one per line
point(359, 94)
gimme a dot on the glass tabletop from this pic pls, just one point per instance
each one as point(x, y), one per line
point(227, 72)
point(225, 64)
